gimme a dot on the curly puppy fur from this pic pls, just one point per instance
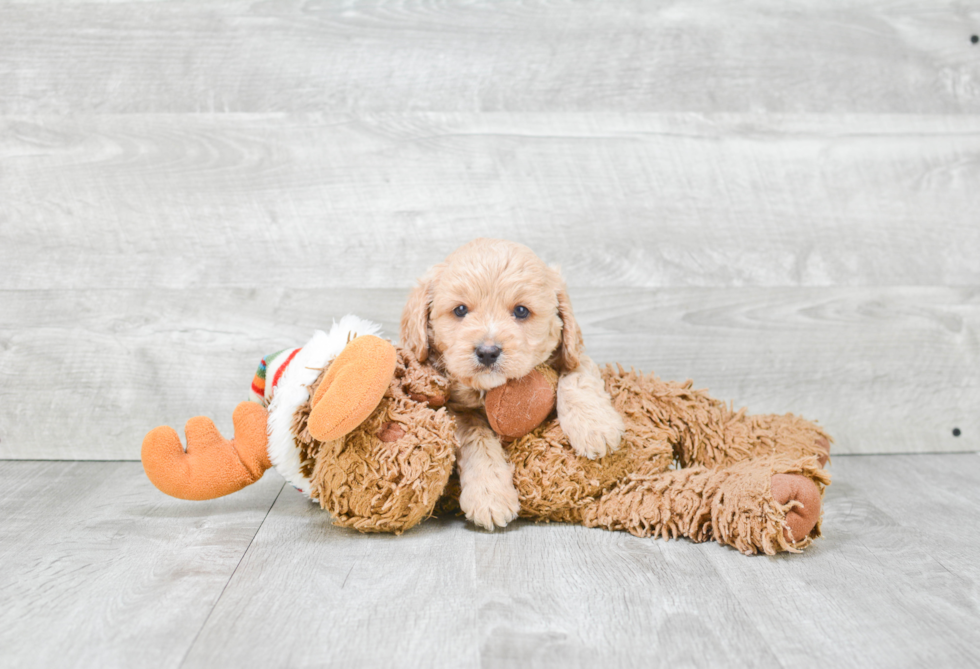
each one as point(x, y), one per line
point(491, 312)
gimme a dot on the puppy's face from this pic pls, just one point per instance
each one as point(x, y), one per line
point(491, 312)
point(494, 319)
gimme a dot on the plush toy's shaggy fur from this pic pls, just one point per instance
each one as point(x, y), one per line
point(388, 473)
point(722, 490)
point(688, 466)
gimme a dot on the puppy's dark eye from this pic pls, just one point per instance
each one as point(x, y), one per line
point(521, 312)
point(460, 310)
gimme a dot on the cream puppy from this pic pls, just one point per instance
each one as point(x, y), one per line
point(491, 312)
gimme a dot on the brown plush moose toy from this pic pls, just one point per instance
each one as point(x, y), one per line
point(357, 425)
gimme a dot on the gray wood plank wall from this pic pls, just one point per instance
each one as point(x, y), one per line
point(779, 200)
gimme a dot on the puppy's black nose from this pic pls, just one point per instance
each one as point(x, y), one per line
point(487, 355)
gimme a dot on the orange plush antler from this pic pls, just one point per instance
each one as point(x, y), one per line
point(212, 466)
point(352, 388)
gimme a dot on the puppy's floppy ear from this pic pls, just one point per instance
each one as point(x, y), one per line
point(415, 316)
point(570, 347)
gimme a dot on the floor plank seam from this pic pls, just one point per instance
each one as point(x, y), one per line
point(234, 571)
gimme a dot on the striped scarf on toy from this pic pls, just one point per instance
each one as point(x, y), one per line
point(268, 374)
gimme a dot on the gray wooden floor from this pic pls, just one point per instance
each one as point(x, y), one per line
point(98, 569)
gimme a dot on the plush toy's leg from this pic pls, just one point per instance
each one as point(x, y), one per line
point(352, 388)
point(707, 432)
point(736, 436)
point(212, 466)
point(764, 506)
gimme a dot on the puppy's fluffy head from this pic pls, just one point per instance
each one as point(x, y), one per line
point(474, 299)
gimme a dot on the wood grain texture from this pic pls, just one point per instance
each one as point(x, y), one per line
point(312, 594)
point(99, 569)
point(895, 581)
point(711, 55)
point(623, 602)
point(624, 200)
point(776, 200)
point(88, 373)
point(446, 595)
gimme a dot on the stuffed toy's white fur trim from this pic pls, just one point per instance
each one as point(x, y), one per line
point(292, 391)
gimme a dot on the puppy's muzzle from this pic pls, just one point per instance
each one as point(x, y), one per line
point(487, 355)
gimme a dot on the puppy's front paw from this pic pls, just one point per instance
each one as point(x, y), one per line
point(489, 503)
point(593, 434)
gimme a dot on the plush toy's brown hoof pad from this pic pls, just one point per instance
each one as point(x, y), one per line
point(434, 401)
point(390, 432)
point(824, 446)
point(801, 520)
